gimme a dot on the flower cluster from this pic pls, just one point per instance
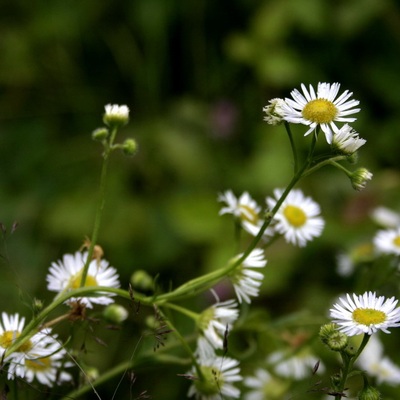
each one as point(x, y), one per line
point(41, 356)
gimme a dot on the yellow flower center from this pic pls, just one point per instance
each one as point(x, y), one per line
point(39, 364)
point(368, 316)
point(75, 281)
point(320, 111)
point(295, 216)
point(396, 241)
point(8, 337)
point(248, 214)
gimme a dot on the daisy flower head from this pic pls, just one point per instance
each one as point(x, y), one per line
point(388, 241)
point(298, 217)
point(346, 140)
point(213, 323)
point(218, 376)
point(322, 109)
point(245, 280)
point(45, 362)
point(245, 209)
point(366, 314)
point(66, 274)
point(116, 115)
point(385, 217)
point(274, 112)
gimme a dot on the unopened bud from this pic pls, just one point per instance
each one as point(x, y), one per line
point(115, 313)
point(369, 393)
point(141, 280)
point(129, 147)
point(100, 134)
point(334, 339)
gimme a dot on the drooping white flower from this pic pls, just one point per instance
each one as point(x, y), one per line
point(373, 360)
point(346, 140)
point(298, 217)
point(274, 112)
point(213, 323)
point(218, 376)
point(365, 313)
point(67, 274)
point(359, 178)
point(245, 280)
point(245, 209)
point(388, 241)
point(321, 108)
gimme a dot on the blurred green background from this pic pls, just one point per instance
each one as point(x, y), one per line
point(196, 75)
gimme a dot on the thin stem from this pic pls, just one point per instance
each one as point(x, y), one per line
point(348, 365)
point(293, 146)
point(100, 207)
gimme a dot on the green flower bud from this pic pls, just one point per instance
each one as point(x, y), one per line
point(91, 374)
point(359, 178)
point(37, 305)
point(100, 134)
point(129, 147)
point(115, 313)
point(335, 340)
point(141, 280)
point(369, 393)
point(116, 115)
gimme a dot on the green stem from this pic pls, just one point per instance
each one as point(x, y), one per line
point(293, 146)
point(329, 161)
point(348, 365)
point(100, 207)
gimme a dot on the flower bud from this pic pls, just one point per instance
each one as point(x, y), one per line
point(100, 134)
point(141, 280)
point(116, 115)
point(369, 393)
point(129, 147)
point(115, 313)
point(359, 178)
point(335, 340)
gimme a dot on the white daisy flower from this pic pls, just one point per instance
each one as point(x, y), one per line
point(274, 112)
point(388, 241)
point(346, 140)
point(116, 115)
point(36, 351)
point(321, 108)
point(213, 323)
point(219, 374)
point(245, 209)
point(265, 386)
point(67, 274)
point(295, 366)
point(298, 217)
point(373, 360)
point(365, 313)
point(247, 282)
